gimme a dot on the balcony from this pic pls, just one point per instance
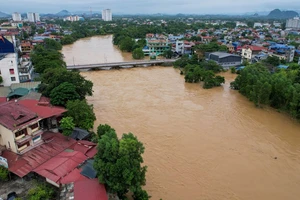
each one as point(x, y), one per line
point(37, 133)
point(23, 139)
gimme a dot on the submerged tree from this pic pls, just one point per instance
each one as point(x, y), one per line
point(118, 164)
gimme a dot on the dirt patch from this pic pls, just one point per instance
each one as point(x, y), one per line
point(18, 185)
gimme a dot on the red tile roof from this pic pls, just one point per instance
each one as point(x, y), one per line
point(41, 110)
point(254, 48)
point(89, 189)
point(54, 144)
point(14, 115)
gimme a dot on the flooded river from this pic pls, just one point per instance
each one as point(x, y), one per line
point(200, 144)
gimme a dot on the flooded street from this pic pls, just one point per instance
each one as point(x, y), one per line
point(200, 144)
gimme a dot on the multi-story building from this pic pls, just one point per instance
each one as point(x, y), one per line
point(16, 16)
point(249, 51)
point(8, 62)
point(73, 18)
point(184, 47)
point(107, 15)
point(283, 52)
point(293, 23)
point(22, 124)
point(33, 17)
point(156, 44)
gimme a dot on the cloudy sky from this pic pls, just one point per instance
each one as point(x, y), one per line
point(149, 6)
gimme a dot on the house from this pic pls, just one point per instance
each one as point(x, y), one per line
point(206, 39)
point(230, 48)
point(283, 51)
point(156, 44)
point(226, 60)
point(249, 51)
point(8, 62)
point(26, 47)
point(184, 47)
point(22, 123)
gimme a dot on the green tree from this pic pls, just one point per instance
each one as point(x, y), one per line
point(52, 44)
point(1, 80)
point(103, 128)
point(52, 78)
point(168, 54)
point(68, 39)
point(82, 114)
point(138, 53)
point(67, 125)
point(233, 70)
point(3, 174)
point(63, 93)
point(41, 192)
point(41, 31)
point(25, 35)
point(118, 164)
point(223, 48)
point(127, 44)
point(43, 59)
point(273, 60)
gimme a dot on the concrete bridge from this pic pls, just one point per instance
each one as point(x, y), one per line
point(118, 65)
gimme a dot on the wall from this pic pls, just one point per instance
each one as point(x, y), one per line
point(248, 53)
point(9, 62)
point(7, 136)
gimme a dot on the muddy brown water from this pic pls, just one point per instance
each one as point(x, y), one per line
point(200, 144)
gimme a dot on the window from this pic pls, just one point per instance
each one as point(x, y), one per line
point(21, 132)
point(11, 71)
point(34, 126)
point(13, 78)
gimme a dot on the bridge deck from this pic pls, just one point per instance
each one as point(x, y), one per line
point(119, 64)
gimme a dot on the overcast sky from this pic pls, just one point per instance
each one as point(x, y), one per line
point(148, 6)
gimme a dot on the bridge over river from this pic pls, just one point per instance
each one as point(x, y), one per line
point(123, 64)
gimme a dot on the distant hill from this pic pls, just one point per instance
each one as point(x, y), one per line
point(278, 14)
point(63, 13)
point(3, 15)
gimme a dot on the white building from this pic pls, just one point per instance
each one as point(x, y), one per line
point(293, 23)
point(9, 69)
point(241, 24)
point(33, 17)
point(16, 16)
point(9, 61)
point(107, 15)
point(73, 18)
point(257, 25)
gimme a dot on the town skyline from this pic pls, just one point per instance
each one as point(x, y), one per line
point(140, 7)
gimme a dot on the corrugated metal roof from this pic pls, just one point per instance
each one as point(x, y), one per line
point(60, 165)
point(14, 116)
point(41, 110)
point(54, 144)
point(89, 189)
point(18, 92)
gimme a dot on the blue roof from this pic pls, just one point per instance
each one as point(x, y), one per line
point(282, 66)
point(241, 67)
point(6, 46)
